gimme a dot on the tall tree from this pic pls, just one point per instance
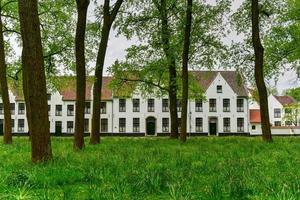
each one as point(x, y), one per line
point(154, 63)
point(108, 19)
point(82, 7)
point(171, 63)
point(7, 138)
point(33, 66)
point(259, 73)
point(185, 76)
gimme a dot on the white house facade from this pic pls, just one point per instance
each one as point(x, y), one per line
point(225, 111)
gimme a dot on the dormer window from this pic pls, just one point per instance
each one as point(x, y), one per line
point(219, 88)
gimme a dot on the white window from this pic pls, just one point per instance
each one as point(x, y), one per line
point(21, 125)
point(103, 107)
point(277, 113)
point(253, 127)
point(219, 88)
point(58, 110)
point(87, 109)
point(151, 105)
point(70, 110)
point(226, 124)
point(199, 125)
point(136, 125)
point(70, 127)
point(226, 105)
point(199, 105)
point(104, 125)
point(240, 105)
point(212, 105)
point(122, 125)
point(240, 124)
point(136, 105)
point(122, 105)
point(277, 123)
point(165, 124)
point(165, 105)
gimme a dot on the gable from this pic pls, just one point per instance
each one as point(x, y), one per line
point(233, 78)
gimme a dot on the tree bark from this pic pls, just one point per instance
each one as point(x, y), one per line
point(165, 36)
point(82, 7)
point(259, 73)
point(185, 77)
point(108, 19)
point(7, 137)
point(33, 65)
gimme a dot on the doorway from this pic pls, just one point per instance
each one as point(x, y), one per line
point(1, 126)
point(150, 126)
point(58, 127)
point(213, 126)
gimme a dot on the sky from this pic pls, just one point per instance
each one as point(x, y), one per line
point(117, 46)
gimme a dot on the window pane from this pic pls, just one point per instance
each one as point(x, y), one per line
point(198, 106)
point(165, 105)
point(212, 105)
point(136, 125)
point(122, 105)
point(122, 125)
point(165, 124)
point(136, 105)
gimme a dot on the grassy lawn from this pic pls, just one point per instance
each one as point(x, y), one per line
point(155, 168)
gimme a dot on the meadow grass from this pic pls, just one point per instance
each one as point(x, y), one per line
point(155, 168)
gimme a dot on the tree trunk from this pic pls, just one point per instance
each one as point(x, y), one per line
point(165, 36)
point(82, 7)
point(7, 137)
point(108, 19)
point(185, 76)
point(25, 92)
point(33, 65)
point(259, 74)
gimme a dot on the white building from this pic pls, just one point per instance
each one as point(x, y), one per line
point(224, 112)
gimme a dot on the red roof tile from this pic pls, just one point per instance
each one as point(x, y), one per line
point(255, 116)
point(285, 100)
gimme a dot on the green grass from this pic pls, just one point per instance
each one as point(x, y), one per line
point(155, 168)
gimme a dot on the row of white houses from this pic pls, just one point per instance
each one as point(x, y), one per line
point(226, 110)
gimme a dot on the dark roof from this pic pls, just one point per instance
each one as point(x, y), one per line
point(255, 116)
point(233, 78)
point(285, 100)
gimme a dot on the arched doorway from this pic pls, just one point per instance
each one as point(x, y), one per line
point(151, 126)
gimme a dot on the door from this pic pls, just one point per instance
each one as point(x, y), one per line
point(1, 126)
point(150, 126)
point(212, 129)
point(58, 127)
point(212, 126)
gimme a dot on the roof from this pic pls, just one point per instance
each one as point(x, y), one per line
point(233, 78)
point(255, 116)
point(66, 85)
point(68, 88)
point(285, 100)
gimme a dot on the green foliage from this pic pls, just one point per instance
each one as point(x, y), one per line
point(147, 60)
point(279, 23)
point(294, 92)
point(155, 168)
